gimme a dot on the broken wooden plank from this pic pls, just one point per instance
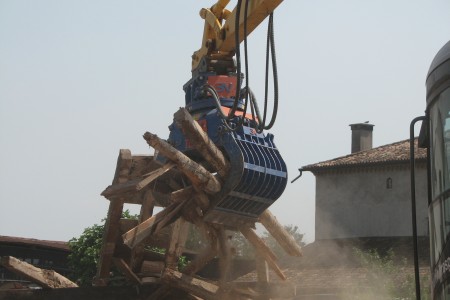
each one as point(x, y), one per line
point(45, 278)
point(196, 173)
point(262, 249)
point(150, 177)
point(280, 234)
point(199, 140)
point(137, 184)
point(192, 285)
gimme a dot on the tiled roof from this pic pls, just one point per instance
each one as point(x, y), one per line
point(384, 155)
point(34, 242)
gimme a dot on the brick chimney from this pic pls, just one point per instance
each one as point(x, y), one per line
point(361, 136)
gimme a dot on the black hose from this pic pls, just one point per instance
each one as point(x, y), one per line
point(270, 49)
point(238, 60)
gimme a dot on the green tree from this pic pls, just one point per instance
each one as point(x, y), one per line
point(387, 273)
point(85, 252)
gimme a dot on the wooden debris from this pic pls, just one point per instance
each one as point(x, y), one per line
point(137, 184)
point(183, 187)
point(45, 278)
point(196, 173)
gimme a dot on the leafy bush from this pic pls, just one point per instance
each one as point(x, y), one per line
point(387, 276)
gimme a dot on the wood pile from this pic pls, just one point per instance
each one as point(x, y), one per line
point(183, 188)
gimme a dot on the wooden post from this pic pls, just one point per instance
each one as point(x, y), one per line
point(111, 233)
point(199, 140)
point(45, 278)
point(280, 234)
point(196, 173)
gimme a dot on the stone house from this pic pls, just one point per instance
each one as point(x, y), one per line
point(368, 193)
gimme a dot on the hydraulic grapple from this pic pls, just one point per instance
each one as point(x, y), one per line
point(257, 175)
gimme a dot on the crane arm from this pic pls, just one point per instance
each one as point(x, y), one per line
point(220, 27)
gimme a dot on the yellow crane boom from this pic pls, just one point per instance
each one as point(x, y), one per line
point(220, 27)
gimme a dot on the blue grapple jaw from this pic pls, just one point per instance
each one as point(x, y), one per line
point(257, 176)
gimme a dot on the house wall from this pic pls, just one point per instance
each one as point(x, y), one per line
point(358, 203)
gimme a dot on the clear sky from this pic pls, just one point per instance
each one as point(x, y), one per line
point(80, 80)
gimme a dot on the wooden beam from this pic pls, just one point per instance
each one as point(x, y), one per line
point(280, 234)
point(45, 278)
point(192, 285)
point(111, 233)
point(262, 249)
point(196, 173)
point(199, 140)
point(138, 234)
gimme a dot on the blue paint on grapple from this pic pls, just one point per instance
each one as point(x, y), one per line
point(257, 175)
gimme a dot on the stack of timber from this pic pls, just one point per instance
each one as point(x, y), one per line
point(183, 188)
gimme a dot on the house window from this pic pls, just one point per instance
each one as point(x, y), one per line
point(389, 183)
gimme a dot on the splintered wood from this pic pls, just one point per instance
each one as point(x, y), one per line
point(182, 187)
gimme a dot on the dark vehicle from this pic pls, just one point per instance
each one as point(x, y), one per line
point(435, 135)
